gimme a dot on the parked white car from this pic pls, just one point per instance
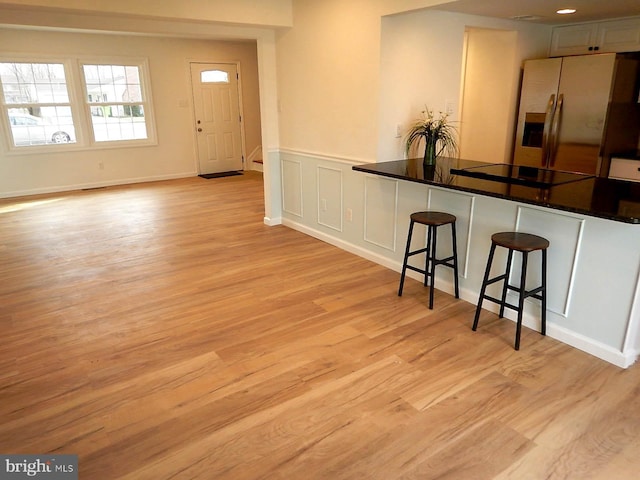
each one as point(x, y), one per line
point(31, 130)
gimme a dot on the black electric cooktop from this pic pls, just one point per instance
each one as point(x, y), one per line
point(521, 175)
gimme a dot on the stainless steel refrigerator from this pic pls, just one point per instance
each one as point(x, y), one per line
point(576, 112)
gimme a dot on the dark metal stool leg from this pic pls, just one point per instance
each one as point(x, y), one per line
point(432, 271)
point(406, 258)
point(505, 285)
point(521, 292)
point(455, 259)
point(543, 294)
point(428, 256)
point(484, 286)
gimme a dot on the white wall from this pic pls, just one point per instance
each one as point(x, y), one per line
point(421, 64)
point(174, 155)
point(328, 78)
point(347, 76)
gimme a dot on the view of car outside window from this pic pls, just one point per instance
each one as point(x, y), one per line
point(36, 100)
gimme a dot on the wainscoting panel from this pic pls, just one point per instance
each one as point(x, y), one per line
point(292, 187)
point(330, 197)
point(564, 233)
point(461, 205)
point(380, 211)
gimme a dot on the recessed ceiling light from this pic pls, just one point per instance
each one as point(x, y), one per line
point(566, 11)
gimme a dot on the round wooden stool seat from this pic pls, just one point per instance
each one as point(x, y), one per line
point(433, 218)
point(522, 242)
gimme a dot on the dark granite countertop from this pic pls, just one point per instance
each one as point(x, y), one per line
point(616, 200)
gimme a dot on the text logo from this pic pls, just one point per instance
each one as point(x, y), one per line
point(49, 467)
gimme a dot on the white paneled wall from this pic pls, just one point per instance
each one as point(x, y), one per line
point(292, 187)
point(330, 197)
point(461, 205)
point(380, 207)
point(564, 232)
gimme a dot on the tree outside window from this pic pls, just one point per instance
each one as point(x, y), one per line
point(36, 103)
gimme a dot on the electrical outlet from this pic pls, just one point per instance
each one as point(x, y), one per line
point(323, 202)
point(349, 215)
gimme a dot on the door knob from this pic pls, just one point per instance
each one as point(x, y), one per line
point(199, 129)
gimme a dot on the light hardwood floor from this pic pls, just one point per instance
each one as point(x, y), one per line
point(163, 331)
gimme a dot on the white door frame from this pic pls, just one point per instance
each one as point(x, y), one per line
point(193, 109)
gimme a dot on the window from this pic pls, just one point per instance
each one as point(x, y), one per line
point(78, 102)
point(116, 100)
point(214, 76)
point(36, 102)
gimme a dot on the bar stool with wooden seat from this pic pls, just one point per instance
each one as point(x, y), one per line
point(524, 243)
point(432, 220)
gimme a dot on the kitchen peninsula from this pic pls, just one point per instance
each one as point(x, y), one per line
point(593, 225)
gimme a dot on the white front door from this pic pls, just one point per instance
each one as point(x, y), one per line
point(217, 112)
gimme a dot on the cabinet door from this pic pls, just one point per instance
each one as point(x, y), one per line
point(619, 36)
point(572, 39)
point(601, 37)
point(625, 169)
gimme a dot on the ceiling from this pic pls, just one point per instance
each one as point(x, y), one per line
point(543, 11)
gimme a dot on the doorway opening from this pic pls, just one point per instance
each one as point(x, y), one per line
point(489, 94)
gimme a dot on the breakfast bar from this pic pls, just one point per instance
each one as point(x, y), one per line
point(592, 223)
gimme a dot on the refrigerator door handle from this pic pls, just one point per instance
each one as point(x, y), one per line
point(546, 131)
point(555, 131)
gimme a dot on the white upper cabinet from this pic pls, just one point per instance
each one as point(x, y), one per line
point(600, 37)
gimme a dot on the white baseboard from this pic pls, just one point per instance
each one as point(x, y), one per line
point(349, 247)
point(257, 166)
point(272, 222)
point(100, 184)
